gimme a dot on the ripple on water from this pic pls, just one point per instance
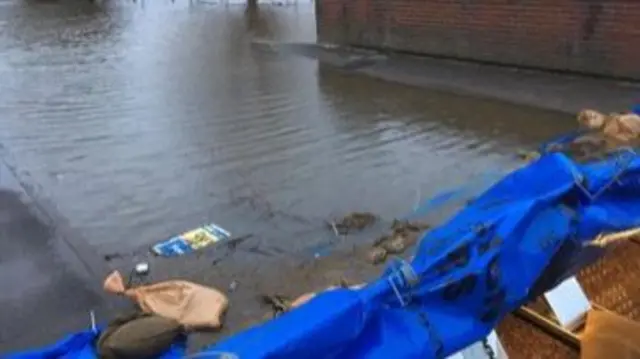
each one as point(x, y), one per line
point(143, 122)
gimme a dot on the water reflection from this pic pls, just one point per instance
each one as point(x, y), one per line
point(480, 120)
point(143, 121)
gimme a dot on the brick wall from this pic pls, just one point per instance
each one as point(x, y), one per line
point(593, 36)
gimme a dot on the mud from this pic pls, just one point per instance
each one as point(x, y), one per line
point(354, 221)
point(261, 287)
point(404, 235)
point(267, 291)
point(280, 304)
point(267, 284)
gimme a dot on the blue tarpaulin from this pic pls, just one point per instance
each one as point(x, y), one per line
point(466, 274)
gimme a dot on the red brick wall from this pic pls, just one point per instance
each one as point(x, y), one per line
point(593, 36)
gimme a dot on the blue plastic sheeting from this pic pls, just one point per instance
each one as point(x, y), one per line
point(470, 272)
point(435, 203)
point(82, 346)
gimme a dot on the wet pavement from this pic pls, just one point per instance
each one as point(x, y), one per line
point(46, 287)
point(135, 121)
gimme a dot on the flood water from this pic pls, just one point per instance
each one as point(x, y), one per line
point(141, 120)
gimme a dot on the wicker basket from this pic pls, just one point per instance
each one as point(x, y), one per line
point(612, 283)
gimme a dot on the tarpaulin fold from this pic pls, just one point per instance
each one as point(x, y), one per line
point(471, 271)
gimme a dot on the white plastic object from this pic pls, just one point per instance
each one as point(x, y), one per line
point(568, 302)
point(142, 268)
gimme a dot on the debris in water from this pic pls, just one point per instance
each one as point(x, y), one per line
point(353, 221)
point(191, 241)
point(528, 156)
point(582, 149)
point(233, 242)
point(279, 304)
point(404, 234)
point(111, 256)
point(396, 244)
point(377, 255)
point(233, 286)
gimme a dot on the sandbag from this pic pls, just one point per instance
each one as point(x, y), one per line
point(192, 305)
point(618, 129)
point(138, 336)
point(608, 335)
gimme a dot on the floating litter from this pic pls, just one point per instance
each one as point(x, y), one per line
point(191, 241)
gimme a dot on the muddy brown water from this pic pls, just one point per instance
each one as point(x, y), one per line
point(141, 120)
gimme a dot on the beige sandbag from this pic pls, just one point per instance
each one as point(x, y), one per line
point(192, 305)
point(624, 128)
point(592, 119)
point(608, 335)
point(618, 129)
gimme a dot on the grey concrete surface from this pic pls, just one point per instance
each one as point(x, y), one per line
point(552, 91)
point(47, 284)
point(555, 91)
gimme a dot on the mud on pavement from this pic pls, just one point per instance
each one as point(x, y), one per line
point(249, 278)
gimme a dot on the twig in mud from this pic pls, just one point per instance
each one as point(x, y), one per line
point(258, 250)
point(233, 242)
point(279, 304)
point(352, 221)
point(231, 246)
point(117, 255)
